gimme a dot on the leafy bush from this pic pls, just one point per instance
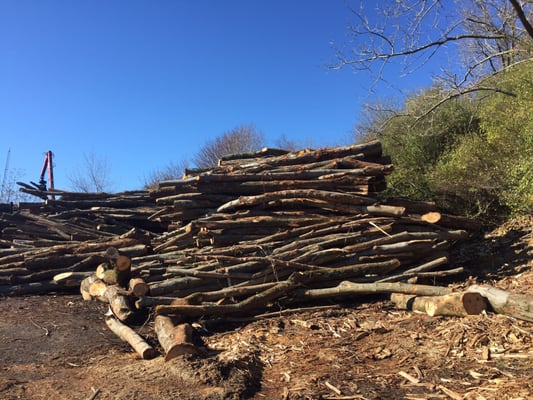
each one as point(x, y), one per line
point(416, 141)
point(492, 171)
point(473, 155)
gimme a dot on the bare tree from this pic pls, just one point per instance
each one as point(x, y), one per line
point(93, 176)
point(8, 190)
point(174, 170)
point(483, 37)
point(240, 139)
point(286, 143)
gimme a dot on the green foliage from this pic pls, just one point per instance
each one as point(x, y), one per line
point(416, 141)
point(495, 167)
point(472, 155)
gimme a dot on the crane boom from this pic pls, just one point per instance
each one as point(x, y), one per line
point(47, 165)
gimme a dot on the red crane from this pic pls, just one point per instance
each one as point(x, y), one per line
point(47, 165)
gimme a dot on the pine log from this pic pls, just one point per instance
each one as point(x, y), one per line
point(257, 187)
point(111, 275)
point(127, 334)
point(175, 340)
point(454, 304)
point(97, 290)
point(457, 304)
point(515, 305)
point(264, 152)
point(249, 201)
point(218, 295)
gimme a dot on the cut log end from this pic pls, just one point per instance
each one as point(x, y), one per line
point(123, 263)
point(175, 340)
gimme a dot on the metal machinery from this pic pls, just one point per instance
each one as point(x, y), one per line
point(47, 165)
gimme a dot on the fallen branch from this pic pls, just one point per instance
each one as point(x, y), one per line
point(130, 336)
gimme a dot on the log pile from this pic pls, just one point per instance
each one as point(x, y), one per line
point(262, 231)
point(254, 219)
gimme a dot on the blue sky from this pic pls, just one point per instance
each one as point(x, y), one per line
point(145, 83)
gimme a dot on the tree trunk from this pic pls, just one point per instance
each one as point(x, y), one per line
point(175, 340)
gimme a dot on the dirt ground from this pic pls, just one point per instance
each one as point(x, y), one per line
point(59, 347)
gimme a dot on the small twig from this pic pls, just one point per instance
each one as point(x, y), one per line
point(46, 331)
point(450, 393)
point(378, 228)
point(333, 388)
point(409, 377)
point(96, 392)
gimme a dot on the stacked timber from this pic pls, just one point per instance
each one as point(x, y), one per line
point(262, 231)
point(254, 219)
point(357, 169)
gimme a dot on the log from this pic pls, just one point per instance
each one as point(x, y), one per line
point(451, 221)
point(458, 304)
point(71, 278)
point(249, 201)
point(257, 301)
point(30, 288)
point(151, 301)
point(123, 263)
point(85, 285)
point(127, 334)
point(347, 288)
point(515, 305)
point(119, 303)
point(97, 290)
point(175, 340)
point(138, 287)
point(111, 275)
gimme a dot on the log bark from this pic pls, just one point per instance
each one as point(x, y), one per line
point(128, 335)
point(175, 340)
point(257, 301)
point(515, 305)
point(458, 304)
point(451, 221)
point(70, 278)
point(347, 288)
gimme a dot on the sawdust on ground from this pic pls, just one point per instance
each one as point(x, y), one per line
point(59, 347)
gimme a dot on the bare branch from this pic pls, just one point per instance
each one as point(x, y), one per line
point(243, 138)
point(92, 176)
point(522, 16)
